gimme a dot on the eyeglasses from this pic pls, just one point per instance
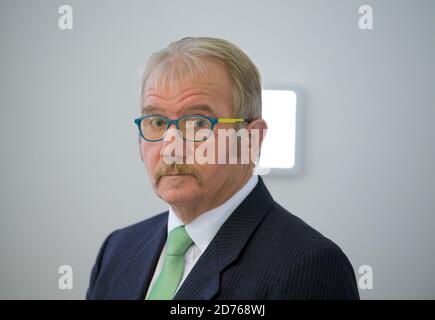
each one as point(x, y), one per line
point(153, 127)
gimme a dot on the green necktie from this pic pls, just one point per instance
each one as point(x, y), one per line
point(166, 284)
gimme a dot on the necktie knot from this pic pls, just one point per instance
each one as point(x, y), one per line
point(178, 241)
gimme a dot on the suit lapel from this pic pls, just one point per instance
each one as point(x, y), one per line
point(135, 278)
point(203, 282)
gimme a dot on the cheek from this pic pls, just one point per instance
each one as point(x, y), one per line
point(212, 174)
point(150, 154)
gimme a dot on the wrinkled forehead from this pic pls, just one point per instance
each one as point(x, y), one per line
point(170, 74)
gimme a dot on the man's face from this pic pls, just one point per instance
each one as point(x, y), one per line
point(214, 92)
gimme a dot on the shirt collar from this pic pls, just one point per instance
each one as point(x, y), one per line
point(203, 229)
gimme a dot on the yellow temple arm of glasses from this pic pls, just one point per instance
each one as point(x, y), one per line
point(230, 120)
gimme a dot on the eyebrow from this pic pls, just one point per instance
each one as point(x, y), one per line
point(150, 109)
point(197, 107)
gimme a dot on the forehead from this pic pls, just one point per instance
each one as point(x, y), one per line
point(177, 82)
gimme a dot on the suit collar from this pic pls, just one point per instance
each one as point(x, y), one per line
point(133, 280)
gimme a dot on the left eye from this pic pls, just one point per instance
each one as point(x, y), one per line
point(200, 123)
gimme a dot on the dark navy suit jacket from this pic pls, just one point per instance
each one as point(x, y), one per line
point(261, 252)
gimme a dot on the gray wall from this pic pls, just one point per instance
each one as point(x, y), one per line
point(70, 167)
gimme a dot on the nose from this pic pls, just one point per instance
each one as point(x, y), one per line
point(170, 133)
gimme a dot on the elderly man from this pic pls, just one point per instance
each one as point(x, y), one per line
point(223, 237)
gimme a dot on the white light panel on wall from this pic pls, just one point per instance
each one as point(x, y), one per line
point(279, 146)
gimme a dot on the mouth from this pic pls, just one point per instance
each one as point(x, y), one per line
point(176, 174)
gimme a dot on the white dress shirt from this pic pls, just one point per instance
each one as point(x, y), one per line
point(202, 230)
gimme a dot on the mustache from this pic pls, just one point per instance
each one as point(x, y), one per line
point(178, 168)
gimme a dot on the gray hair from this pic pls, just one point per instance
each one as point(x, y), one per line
point(185, 58)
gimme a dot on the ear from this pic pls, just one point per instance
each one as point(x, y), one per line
point(260, 128)
point(258, 124)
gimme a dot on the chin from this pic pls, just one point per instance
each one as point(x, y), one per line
point(178, 189)
point(179, 197)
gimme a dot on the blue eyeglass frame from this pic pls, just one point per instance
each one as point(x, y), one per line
point(169, 122)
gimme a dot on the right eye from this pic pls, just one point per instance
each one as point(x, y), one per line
point(157, 122)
